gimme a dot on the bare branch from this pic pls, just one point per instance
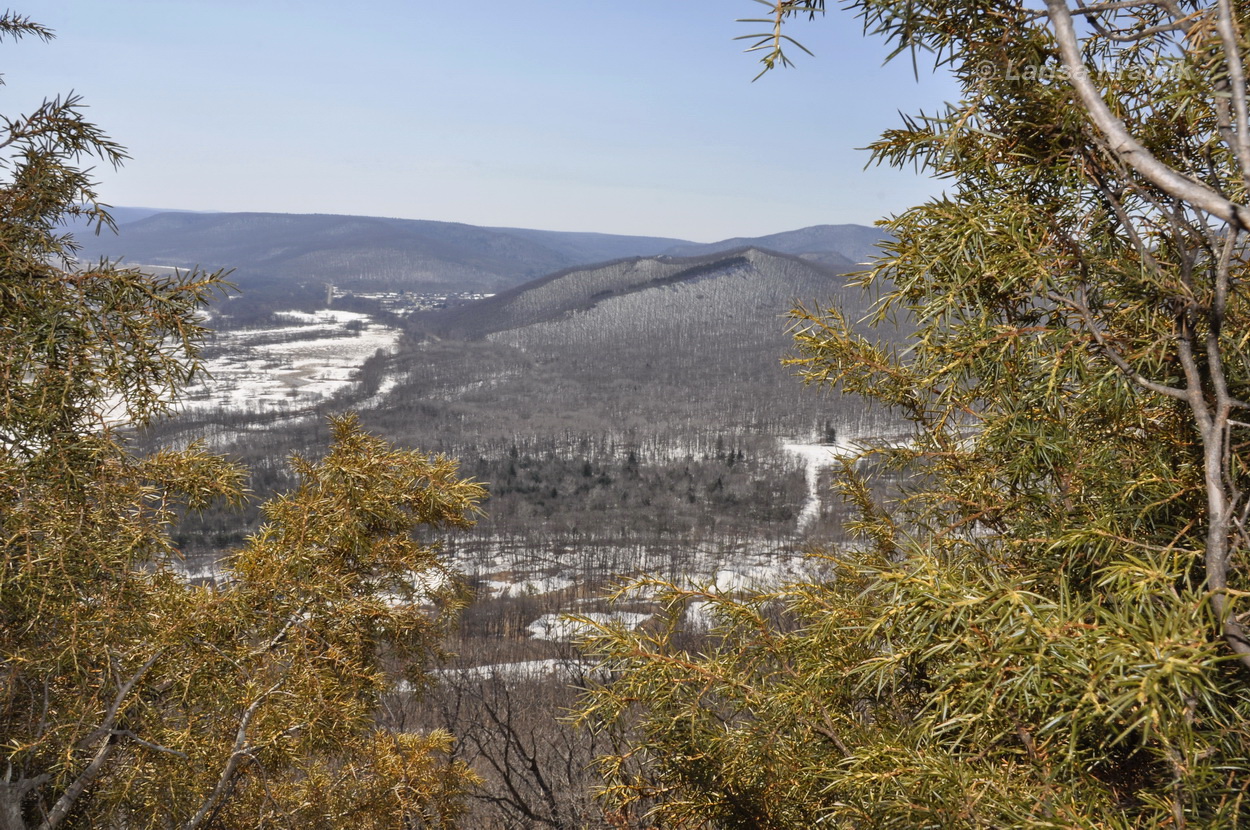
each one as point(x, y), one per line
point(1182, 187)
point(74, 791)
point(1237, 83)
point(237, 754)
point(148, 744)
point(1087, 319)
point(277, 639)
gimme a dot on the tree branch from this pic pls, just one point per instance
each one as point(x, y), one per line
point(1237, 82)
point(237, 754)
point(1125, 145)
point(1087, 320)
point(74, 791)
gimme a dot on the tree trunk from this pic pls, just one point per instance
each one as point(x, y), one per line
point(11, 806)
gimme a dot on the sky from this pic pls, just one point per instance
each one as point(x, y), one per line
point(631, 117)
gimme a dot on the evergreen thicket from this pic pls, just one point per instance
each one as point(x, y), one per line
point(132, 696)
point(1045, 628)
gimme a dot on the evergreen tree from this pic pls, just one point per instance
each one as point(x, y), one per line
point(1045, 628)
point(130, 695)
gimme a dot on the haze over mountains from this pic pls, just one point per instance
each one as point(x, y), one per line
point(375, 253)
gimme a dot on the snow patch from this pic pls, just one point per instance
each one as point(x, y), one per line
point(561, 629)
point(816, 458)
point(526, 670)
point(530, 587)
point(289, 368)
point(325, 315)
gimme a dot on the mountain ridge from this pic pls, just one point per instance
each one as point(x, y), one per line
point(584, 287)
point(272, 250)
point(662, 343)
point(855, 243)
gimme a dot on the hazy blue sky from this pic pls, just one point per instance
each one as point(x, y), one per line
point(621, 116)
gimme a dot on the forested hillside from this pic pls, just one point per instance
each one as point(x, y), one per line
point(636, 410)
point(835, 245)
point(626, 418)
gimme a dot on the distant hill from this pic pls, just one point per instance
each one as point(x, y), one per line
point(784, 280)
point(122, 215)
point(848, 244)
point(358, 252)
point(281, 253)
point(662, 345)
point(588, 248)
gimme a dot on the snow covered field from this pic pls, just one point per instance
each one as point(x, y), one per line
point(564, 629)
point(290, 367)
